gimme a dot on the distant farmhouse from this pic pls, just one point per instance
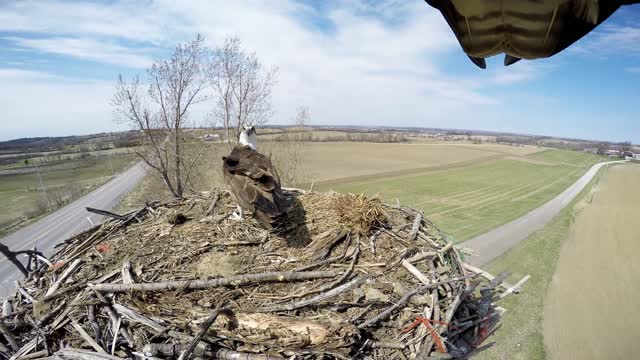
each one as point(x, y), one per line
point(211, 137)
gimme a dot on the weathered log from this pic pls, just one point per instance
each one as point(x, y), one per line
point(416, 226)
point(238, 280)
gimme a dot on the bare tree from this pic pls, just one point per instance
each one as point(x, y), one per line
point(162, 112)
point(602, 147)
point(242, 89)
point(625, 147)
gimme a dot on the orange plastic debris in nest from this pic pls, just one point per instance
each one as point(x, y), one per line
point(103, 248)
point(56, 266)
point(432, 330)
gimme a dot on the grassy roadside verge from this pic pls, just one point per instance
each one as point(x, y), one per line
point(521, 334)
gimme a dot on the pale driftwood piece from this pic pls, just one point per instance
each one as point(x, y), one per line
point(7, 335)
point(515, 288)
point(34, 355)
point(226, 354)
point(406, 298)
point(416, 226)
point(372, 241)
point(421, 256)
point(74, 265)
point(204, 328)
point(320, 297)
point(126, 273)
point(86, 337)
point(24, 292)
point(7, 308)
point(446, 248)
point(237, 280)
point(415, 272)
point(44, 259)
point(388, 345)
point(213, 204)
point(116, 329)
point(486, 275)
point(79, 354)
point(124, 311)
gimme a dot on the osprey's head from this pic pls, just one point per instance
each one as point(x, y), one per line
point(249, 137)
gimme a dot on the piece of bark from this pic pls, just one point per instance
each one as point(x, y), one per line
point(126, 273)
point(416, 226)
point(415, 272)
point(238, 280)
point(321, 245)
point(7, 308)
point(515, 288)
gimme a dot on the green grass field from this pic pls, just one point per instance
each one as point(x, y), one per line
point(22, 196)
point(521, 332)
point(471, 200)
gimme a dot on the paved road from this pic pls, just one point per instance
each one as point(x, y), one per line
point(490, 245)
point(69, 220)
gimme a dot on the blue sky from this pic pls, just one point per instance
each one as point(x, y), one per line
point(352, 62)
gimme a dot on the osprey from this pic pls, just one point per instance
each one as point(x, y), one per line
point(253, 181)
point(522, 29)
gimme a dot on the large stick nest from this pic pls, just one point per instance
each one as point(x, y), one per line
point(345, 276)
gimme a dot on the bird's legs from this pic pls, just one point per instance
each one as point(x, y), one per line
point(238, 215)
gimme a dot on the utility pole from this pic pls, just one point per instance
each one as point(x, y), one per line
point(44, 189)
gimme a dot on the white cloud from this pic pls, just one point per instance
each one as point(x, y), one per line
point(611, 39)
point(87, 49)
point(374, 63)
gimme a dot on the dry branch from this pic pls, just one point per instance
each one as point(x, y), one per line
point(238, 280)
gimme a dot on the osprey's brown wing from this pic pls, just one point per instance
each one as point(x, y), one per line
point(522, 29)
point(255, 184)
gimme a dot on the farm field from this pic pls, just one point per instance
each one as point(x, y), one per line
point(473, 199)
point(590, 309)
point(22, 196)
point(521, 333)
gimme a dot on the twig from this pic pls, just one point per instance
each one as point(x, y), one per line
point(79, 354)
point(138, 318)
point(415, 272)
point(237, 280)
point(91, 315)
point(106, 213)
point(24, 292)
point(64, 276)
point(116, 329)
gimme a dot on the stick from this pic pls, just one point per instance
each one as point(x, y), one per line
point(91, 315)
point(138, 318)
point(86, 337)
point(406, 298)
point(205, 327)
point(416, 226)
point(64, 275)
point(126, 273)
point(237, 280)
point(515, 288)
point(213, 204)
point(24, 292)
point(320, 297)
point(485, 275)
point(115, 335)
point(106, 213)
point(79, 354)
point(415, 272)
point(7, 308)
point(34, 355)
point(115, 319)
